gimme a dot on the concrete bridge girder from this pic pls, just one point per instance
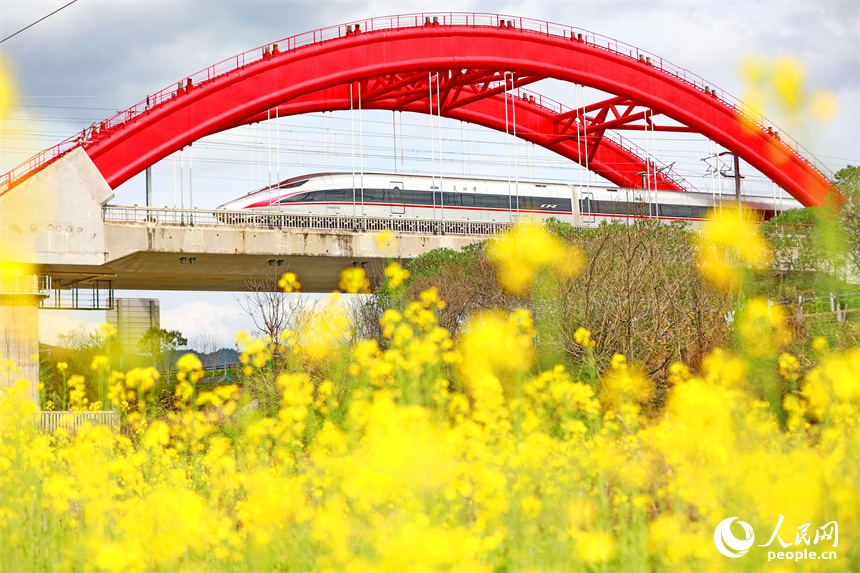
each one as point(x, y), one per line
point(148, 256)
point(51, 224)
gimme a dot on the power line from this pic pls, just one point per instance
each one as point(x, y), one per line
point(37, 21)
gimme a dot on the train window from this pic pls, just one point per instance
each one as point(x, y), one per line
point(492, 201)
point(607, 207)
point(420, 197)
point(337, 194)
point(293, 184)
point(683, 211)
point(467, 199)
point(450, 199)
point(295, 198)
point(397, 195)
point(374, 195)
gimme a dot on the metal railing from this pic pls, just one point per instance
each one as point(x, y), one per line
point(72, 421)
point(25, 284)
point(397, 22)
point(50, 421)
point(95, 295)
point(275, 220)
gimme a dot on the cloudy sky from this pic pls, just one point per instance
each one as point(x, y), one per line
point(95, 58)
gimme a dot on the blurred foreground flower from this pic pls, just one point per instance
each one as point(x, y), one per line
point(731, 241)
point(354, 281)
point(289, 283)
point(762, 327)
point(522, 251)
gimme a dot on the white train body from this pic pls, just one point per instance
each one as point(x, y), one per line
point(419, 197)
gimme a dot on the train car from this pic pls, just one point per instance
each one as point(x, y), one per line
point(384, 195)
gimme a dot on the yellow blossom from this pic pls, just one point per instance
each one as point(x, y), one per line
point(289, 283)
point(396, 274)
point(731, 241)
point(354, 280)
point(523, 250)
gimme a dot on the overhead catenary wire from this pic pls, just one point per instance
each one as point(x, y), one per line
point(37, 21)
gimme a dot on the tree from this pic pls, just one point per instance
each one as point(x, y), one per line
point(268, 306)
point(274, 313)
point(639, 294)
point(815, 248)
point(847, 180)
point(161, 344)
point(207, 344)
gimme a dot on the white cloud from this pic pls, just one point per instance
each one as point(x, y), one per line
point(54, 322)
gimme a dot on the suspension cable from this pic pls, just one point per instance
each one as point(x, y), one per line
point(585, 138)
point(578, 138)
point(508, 150)
point(361, 148)
point(713, 158)
point(182, 178)
point(462, 150)
point(394, 137)
point(352, 140)
point(516, 160)
point(439, 128)
point(432, 146)
point(469, 139)
point(259, 166)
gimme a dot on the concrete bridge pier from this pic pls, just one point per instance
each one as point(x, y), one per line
point(19, 331)
point(52, 219)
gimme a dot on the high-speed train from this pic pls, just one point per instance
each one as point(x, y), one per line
point(454, 198)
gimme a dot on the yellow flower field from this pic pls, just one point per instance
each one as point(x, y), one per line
point(429, 453)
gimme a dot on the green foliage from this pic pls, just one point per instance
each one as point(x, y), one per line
point(432, 263)
point(160, 344)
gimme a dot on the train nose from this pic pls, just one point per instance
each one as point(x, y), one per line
point(230, 205)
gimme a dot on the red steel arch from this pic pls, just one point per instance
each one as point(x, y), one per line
point(390, 66)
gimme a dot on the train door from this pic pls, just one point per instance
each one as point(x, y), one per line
point(398, 204)
point(586, 206)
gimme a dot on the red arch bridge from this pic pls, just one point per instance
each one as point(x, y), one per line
point(468, 67)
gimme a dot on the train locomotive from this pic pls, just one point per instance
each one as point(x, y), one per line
point(382, 195)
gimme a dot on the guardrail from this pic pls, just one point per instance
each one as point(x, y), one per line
point(24, 284)
point(397, 22)
point(275, 220)
point(50, 421)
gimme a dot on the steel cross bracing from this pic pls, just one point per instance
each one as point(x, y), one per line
point(478, 96)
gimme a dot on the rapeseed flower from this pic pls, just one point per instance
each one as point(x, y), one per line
point(522, 251)
point(731, 242)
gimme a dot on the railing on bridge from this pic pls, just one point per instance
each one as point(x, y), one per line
point(275, 220)
point(25, 284)
point(90, 295)
point(50, 421)
point(410, 21)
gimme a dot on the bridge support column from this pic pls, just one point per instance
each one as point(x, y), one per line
point(19, 336)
